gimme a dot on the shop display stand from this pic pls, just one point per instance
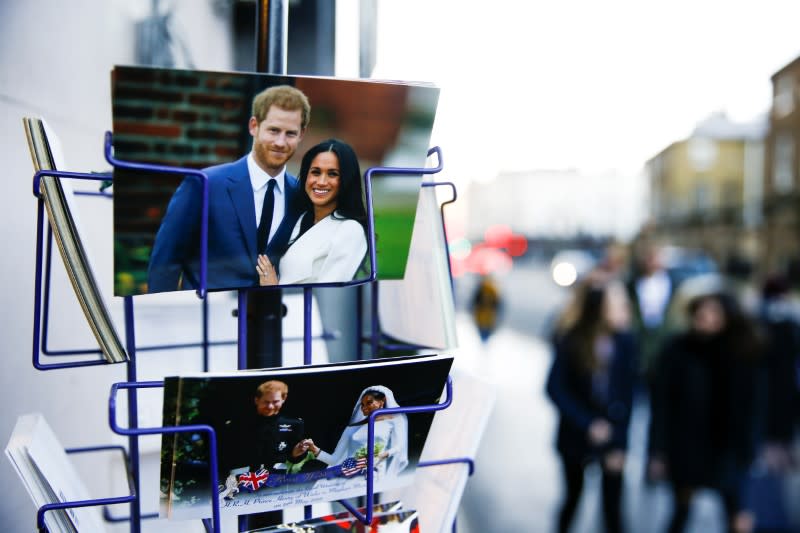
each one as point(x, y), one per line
point(131, 456)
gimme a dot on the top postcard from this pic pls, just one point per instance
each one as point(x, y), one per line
point(285, 159)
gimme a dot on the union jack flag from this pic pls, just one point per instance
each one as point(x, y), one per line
point(352, 466)
point(252, 481)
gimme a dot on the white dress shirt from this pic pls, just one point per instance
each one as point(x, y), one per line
point(259, 179)
point(653, 292)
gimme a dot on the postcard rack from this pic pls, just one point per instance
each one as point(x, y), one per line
point(131, 385)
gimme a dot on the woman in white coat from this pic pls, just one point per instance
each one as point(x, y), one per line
point(391, 434)
point(329, 242)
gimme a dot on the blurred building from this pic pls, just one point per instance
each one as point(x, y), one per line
point(558, 203)
point(706, 191)
point(781, 180)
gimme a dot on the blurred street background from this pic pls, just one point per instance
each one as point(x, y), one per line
point(578, 135)
point(517, 483)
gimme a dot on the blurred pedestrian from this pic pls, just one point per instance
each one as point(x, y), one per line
point(651, 289)
point(615, 260)
point(773, 481)
point(486, 306)
point(591, 385)
point(780, 316)
point(705, 409)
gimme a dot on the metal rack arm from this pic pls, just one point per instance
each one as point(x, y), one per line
point(40, 524)
point(212, 437)
point(161, 169)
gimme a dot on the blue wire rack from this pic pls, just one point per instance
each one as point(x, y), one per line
point(133, 432)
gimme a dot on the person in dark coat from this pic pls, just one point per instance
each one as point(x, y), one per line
point(705, 408)
point(651, 290)
point(780, 318)
point(591, 384)
point(262, 437)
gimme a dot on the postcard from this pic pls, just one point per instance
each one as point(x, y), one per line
point(297, 436)
point(59, 201)
point(420, 308)
point(49, 476)
point(284, 158)
point(386, 518)
point(455, 434)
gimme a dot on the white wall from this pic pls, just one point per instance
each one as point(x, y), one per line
point(55, 62)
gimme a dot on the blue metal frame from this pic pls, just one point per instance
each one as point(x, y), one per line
point(39, 332)
point(205, 344)
point(132, 385)
point(441, 215)
point(470, 463)
point(45, 315)
point(375, 333)
point(135, 432)
point(44, 261)
point(144, 167)
point(90, 502)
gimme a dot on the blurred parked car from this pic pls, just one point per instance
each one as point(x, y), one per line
point(684, 263)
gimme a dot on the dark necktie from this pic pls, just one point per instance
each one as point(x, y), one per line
point(266, 217)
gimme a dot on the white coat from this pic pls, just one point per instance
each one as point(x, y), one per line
point(330, 251)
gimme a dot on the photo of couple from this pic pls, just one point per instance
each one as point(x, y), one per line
point(267, 223)
point(266, 441)
point(295, 437)
point(312, 227)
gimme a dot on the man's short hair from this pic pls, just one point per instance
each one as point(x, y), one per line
point(283, 96)
point(273, 385)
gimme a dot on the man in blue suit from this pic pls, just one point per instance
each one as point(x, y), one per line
point(236, 201)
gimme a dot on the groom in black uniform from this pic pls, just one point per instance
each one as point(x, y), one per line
point(262, 438)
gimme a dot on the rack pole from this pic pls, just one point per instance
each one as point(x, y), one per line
point(307, 325)
point(375, 331)
point(241, 324)
point(205, 334)
point(266, 350)
point(133, 417)
point(307, 294)
point(360, 322)
point(272, 22)
point(266, 307)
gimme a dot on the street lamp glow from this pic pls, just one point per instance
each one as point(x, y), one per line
point(565, 274)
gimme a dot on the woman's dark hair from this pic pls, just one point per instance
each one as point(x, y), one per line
point(740, 333)
point(349, 201)
point(377, 395)
point(580, 339)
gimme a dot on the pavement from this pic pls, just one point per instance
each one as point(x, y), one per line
point(517, 482)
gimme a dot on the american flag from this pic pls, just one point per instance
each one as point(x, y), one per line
point(352, 466)
point(252, 481)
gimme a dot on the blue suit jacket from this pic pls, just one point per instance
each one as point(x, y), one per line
point(232, 251)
